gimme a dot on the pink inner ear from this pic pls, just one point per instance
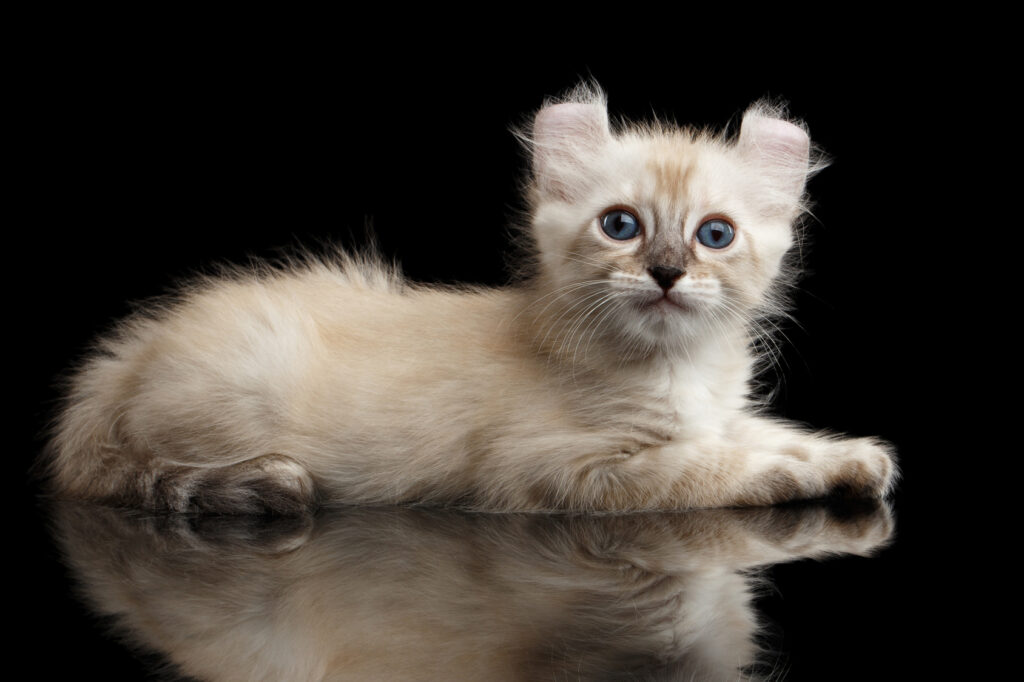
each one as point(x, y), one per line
point(572, 122)
point(781, 150)
point(776, 136)
point(565, 136)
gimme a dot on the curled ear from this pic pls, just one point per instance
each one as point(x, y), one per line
point(779, 149)
point(565, 138)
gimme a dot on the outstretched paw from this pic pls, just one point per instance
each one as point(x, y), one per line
point(866, 468)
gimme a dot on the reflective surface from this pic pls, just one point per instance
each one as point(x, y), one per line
point(414, 594)
point(150, 156)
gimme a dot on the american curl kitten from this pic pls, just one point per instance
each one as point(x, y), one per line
point(615, 376)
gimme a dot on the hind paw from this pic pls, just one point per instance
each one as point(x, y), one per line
point(271, 484)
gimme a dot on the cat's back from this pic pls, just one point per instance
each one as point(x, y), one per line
point(264, 330)
point(261, 361)
point(252, 319)
point(254, 346)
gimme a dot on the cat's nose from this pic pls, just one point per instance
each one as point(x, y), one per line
point(665, 275)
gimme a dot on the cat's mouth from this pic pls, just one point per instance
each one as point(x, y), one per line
point(665, 305)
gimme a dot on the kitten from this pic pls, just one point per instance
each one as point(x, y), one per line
point(416, 594)
point(615, 376)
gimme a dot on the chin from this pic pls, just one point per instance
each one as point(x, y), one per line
point(663, 325)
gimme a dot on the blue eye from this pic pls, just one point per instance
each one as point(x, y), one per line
point(716, 234)
point(620, 225)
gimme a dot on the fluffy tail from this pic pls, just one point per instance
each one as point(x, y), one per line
point(88, 456)
point(92, 456)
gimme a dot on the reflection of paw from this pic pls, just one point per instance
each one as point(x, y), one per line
point(867, 524)
point(866, 468)
point(818, 528)
point(255, 534)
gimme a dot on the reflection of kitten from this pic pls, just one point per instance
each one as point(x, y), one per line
point(412, 594)
point(613, 377)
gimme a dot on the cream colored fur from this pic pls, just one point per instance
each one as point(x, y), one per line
point(582, 387)
point(413, 594)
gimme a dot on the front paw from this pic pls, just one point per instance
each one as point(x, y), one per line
point(865, 467)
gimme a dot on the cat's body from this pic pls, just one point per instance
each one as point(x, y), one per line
point(615, 377)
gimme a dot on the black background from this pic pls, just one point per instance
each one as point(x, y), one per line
point(148, 154)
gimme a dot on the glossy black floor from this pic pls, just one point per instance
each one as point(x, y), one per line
point(141, 170)
point(433, 594)
point(828, 591)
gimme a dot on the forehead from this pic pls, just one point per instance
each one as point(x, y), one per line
point(669, 167)
point(678, 175)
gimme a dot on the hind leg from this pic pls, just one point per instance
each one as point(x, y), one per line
point(270, 484)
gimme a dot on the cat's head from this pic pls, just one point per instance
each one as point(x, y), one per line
point(657, 234)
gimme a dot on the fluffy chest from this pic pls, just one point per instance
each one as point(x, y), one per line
point(670, 402)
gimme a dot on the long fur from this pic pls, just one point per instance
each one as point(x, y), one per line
point(417, 594)
point(584, 386)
